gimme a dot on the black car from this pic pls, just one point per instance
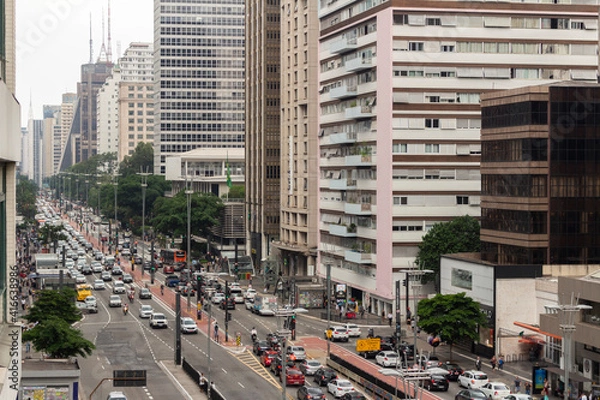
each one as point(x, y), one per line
point(436, 382)
point(354, 396)
point(228, 304)
point(407, 351)
point(311, 393)
point(470, 394)
point(260, 346)
point(145, 293)
point(324, 375)
point(454, 370)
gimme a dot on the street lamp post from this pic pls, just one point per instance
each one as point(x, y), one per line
point(567, 316)
point(328, 265)
point(188, 193)
point(116, 184)
point(415, 286)
point(144, 176)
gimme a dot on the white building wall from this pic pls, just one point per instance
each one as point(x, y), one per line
point(107, 114)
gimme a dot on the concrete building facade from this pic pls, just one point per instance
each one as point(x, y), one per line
point(199, 70)
point(400, 117)
point(107, 114)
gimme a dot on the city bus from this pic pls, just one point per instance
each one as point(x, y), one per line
point(83, 291)
point(172, 259)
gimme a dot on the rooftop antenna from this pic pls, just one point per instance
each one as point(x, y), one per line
point(91, 43)
point(109, 50)
point(102, 56)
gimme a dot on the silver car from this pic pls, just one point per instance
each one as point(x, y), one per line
point(114, 301)
point(296, 353)
point(309, 367)
point(146, 311)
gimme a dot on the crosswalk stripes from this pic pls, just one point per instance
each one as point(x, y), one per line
point(248, 359)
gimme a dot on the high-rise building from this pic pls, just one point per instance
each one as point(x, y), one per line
point(35, 137)
point(540, 175)
point(400, 118)
point(108, 113)
point(199, 70)
point(67, 108)
point(298, 240)
point(263, 130)
point(51, 138)
point(136, 63)
point(10, 152)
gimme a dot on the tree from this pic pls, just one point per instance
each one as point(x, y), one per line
point(54, 303)
point(451, 317)
point(170, 214)
point(457, 236)
point(142, 160)
point(58, 339)
point(236, 192)
point(50, 234)
point(26, 193)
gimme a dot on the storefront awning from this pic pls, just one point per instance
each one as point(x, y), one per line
point(536, 329)
point(574, 376)
point(532, 339)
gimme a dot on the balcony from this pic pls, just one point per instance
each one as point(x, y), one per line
point(342, 184)
point(342, 92)
point(343, 45)
point(342, 138)
point(358, 208)
point(359, 160)
point(358, 64)
point(360, 257)
point(342, 230)
point(359, 112)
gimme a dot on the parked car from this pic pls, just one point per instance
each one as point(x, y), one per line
point(387, 359)
point(472, 379)
point(293, 376)
point(158, 320)
point(495, 390)
point(309, 367)
point(145, 293)
point(470, 394)
point(296, 353)
point(145, 311)
point(324, 375)
point(339, 387)
point(188, 325)
point(310, 393)
point(337, 333)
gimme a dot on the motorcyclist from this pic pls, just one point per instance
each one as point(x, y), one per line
point(253, 334)
point(125, 309)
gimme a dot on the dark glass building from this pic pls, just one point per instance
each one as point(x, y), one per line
point(540, 172)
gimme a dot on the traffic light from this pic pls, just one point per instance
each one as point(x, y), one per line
point(228, 315)
point(404, 282)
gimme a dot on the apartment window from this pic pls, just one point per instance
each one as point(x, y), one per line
point(448, 74)
point(415, 46)
point(399, 148)
point(130, 112)
point(555, 23)
point(447, 48)
point(400, 200)
point(462, 199)
point(432, 148)
point(433, 21)
point(432, 122)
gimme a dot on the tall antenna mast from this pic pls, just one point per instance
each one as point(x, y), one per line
point(91, 43)
point(102, 55)
point(109, 50)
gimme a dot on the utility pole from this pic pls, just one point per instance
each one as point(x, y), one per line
point(328, 306)
point(144, 177)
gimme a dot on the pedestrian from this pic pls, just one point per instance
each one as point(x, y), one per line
point(546, 385)
point(478, 364)
point(583, 396)
point(23, 301)
point(527, 388)
point(217, 332)
point(390, 317)
point(408, 315)
point(413, 324)
point(361, 311)
point(500, 363)
point(202, 382)
point(517, 384)
point(494, 362)
point(162, 289)
point(544, 394)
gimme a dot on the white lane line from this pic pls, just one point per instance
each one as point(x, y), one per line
point(223, 369)
point(240, 383)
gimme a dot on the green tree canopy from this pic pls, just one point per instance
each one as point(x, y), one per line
point(170, 214)
point(58, 339)
point(25, 196)
point(235, 192)
point(54, 303)
point(451, 317)
point(457, 236)
point(95, 164)
point(142, 160)
point(50, 234)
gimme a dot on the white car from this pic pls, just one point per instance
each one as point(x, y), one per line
point(217, 298)
point(146, 311)
point(238, 298)
point(387, 358)
point(495, 390)
point(339, 333)
point(188, 325)
point(118, 287)
point(158, 320)
point(249, 305)
point(116, 396)
point(472, 379)
point(339, 387)
point(250, 294)
point(353, 330)
point(114, 301)
point(96, 267)
point(99, 284)
point(80, 279)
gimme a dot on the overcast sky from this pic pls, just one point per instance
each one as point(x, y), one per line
point(53, 41)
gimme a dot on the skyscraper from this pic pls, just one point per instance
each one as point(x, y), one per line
point(400, 117)
point(199, 70)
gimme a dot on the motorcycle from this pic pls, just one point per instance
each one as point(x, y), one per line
point(254, 337)
point(130, 295)
point(125, 309)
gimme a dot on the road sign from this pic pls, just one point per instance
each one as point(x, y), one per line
point(363, 345)
point(129, 378)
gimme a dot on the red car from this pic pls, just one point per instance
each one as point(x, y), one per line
point(267, 357)
point(293, 376)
